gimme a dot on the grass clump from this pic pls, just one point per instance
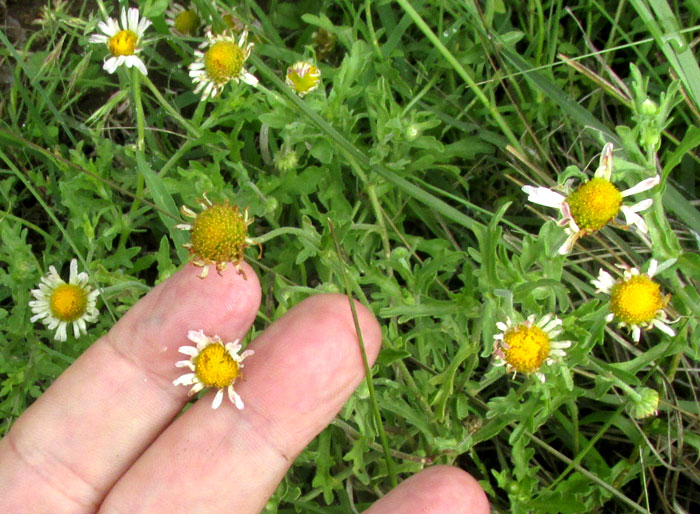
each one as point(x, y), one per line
point(406, 160)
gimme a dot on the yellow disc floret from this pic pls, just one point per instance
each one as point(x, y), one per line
point(187, 22)
point(637, 300)
point(219, 233)
point(527, 348)
point(123, 43)
point(224, 61)
point(594, 204)
point(215, 367)
point(68, 302)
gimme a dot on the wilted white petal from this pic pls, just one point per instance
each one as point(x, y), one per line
point(217, 399)
point(664, 327)
point(644, 185)
point(632, 218)
point(568, 244)
point(544, 196)
point(234, 397)
point(605, 166)
point(186, 379)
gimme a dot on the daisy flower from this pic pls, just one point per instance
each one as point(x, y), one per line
point(213, 364)
point(303, 77)
point(58, 304)
point(123, 43)
point(594, 203)
point(636, 300)
point(183, 22)
point(526, 346)
point(221, 63)
point(219, 235)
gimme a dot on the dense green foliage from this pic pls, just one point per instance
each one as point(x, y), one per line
point(410, 158)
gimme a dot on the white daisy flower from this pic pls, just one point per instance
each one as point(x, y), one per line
point(303, 77)
point(213, 364)
point(183, 22)
point(594, 203)
point(526, 346)
point(123, 42)
point(59, 304)
point(636, 301)
point(222, 62)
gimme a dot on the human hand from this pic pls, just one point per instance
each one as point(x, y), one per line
point(106, 436)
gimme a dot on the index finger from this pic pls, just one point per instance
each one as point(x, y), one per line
point(68, 449)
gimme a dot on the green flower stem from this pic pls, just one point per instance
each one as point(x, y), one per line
point(370, 27)
point(617, 382)
point(365, 362)
point(170, 109)
point(138, 105)
point(140, 146)
point(376, 207)
point(283, 231)
point(372, 193)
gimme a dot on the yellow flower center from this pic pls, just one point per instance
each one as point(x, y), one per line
point(187, 22)
point(528, 348)
point(123, 43)
point(219, 233)
point(215, 367)
point(68, 302)
point(306, 81)
point(594, 204)
point(637, 300)
point(223, 61)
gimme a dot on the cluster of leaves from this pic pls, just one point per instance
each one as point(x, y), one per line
point(430, 116)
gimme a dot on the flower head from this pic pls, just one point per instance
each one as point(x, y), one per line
point(526, 346)
point(218, 235)
point(58, 304)
point(123, 42)
point(286, 159)
point(594, 203)
point(303, 77)
point(212, 363)
point(222, 62)
point(643, 402)
point(183, 22)
point(636, 300)
point(323, 42)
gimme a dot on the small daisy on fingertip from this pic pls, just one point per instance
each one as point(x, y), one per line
point(636, 301)
point(59, 304)
point(594, 203)
point(218, 235)
point(212, 363)
point(303, 77)
point(525, 347)
point(123, 42)
point(183, 22)
point(222, 62)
